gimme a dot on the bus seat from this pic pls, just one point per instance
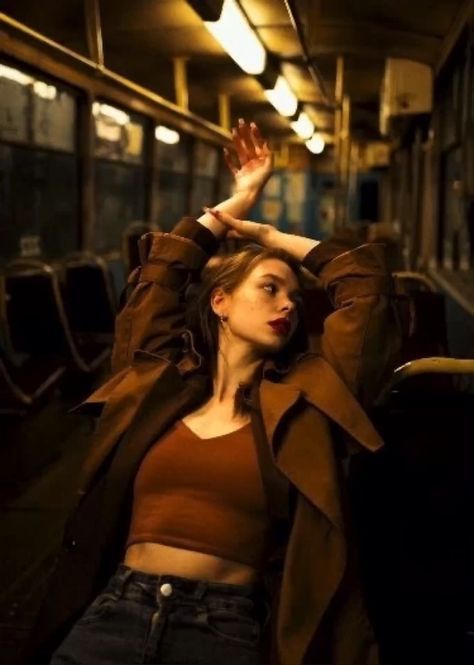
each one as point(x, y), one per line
point(88, 297)
point(37, 318)
point(24, 379)
point(415, 281)
point(408, 502)
point(428, 335)
point(24, 386)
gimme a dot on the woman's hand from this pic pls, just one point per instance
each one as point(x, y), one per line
point(253, 169)
point(265, 234)
point(254, 158)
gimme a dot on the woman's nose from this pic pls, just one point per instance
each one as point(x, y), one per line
point(288, 305)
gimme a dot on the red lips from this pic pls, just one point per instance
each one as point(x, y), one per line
point(281, 326)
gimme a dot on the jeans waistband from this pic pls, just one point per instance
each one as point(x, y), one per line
point(183, 586)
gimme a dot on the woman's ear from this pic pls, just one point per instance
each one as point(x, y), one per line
point(218, 301)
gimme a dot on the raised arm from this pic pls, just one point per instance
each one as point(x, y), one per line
point(153, 318)
point(361, 338)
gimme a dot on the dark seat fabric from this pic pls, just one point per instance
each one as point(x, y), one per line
point(408, 502)
point(38, 321)
point(88, 296)
point(24, 378)
point(429, 332)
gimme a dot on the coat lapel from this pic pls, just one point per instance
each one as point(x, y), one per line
point(316, 381)
point(303, 451)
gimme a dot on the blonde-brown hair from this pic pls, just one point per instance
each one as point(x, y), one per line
point(227, 272)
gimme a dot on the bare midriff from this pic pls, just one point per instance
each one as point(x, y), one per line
point(158, 559)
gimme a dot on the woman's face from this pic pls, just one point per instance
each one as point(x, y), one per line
point(262, 310)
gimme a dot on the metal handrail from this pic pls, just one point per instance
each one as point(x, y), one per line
point(417, 277)
point(433, 365)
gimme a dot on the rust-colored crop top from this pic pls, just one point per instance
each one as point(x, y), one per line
point(202, 494)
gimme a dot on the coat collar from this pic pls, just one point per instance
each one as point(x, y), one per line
point(314, 379)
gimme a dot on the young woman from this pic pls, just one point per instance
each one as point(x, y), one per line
point(211, 525)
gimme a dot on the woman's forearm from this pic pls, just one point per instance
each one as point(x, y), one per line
point(237, 205)
point(297, 246)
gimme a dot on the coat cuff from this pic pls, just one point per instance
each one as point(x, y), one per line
point(189, 227)
point(326, 251)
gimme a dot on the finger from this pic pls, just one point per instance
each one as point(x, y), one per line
point(245, 133)
point(239, 147)
point(257, 138)
point(230, 162)
point(243, 226)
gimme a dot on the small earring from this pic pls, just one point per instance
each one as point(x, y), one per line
point(223, 318)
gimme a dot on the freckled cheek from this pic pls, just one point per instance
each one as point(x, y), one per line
point(252, 310)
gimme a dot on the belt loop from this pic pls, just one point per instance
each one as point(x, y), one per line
point(122, 579)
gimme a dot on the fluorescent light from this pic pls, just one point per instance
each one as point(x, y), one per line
point(45, 91)
point(316, 144)
point(120, 117)
point(166, 135)
point(282, 97)
point(303, 126)
point(235, 35)
point(15, 75)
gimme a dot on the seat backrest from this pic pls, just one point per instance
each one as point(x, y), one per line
point(415, 281)
point(34, 315)
point(429, 336)
point(408, 504)
point(88, 294)
point(12, 399)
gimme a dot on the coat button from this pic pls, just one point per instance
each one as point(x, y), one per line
point(166, 589)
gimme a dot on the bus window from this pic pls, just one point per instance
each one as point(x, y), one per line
point(204, 186)
point(171, 181)
point(38, 165)
point(119, 173)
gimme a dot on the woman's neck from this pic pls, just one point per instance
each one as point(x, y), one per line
point(236, 365)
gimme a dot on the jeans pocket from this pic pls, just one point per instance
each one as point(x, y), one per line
point(231, 625)
point(99, 608)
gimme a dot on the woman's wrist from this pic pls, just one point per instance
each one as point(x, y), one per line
point(237, 205)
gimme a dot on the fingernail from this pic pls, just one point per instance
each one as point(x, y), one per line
point(205, 208)
point(241, 121)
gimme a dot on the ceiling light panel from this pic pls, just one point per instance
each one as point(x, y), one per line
point(236, 36)
point(282, 97)
point(303, 126)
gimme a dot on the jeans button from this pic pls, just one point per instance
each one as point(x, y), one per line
point(166, 589)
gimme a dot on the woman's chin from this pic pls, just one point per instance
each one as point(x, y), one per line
point(269, 346)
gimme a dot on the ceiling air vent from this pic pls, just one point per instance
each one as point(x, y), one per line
point(407, 88)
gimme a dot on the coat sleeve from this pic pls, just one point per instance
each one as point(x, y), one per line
point(362, 336)
point(154, 315)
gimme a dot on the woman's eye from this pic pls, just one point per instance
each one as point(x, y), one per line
point(270, 288)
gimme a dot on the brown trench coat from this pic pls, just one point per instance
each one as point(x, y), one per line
point(153, 363)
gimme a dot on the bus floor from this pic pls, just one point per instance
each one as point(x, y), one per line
point(40, 456)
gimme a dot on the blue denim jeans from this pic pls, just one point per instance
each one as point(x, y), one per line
point(142, 618)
